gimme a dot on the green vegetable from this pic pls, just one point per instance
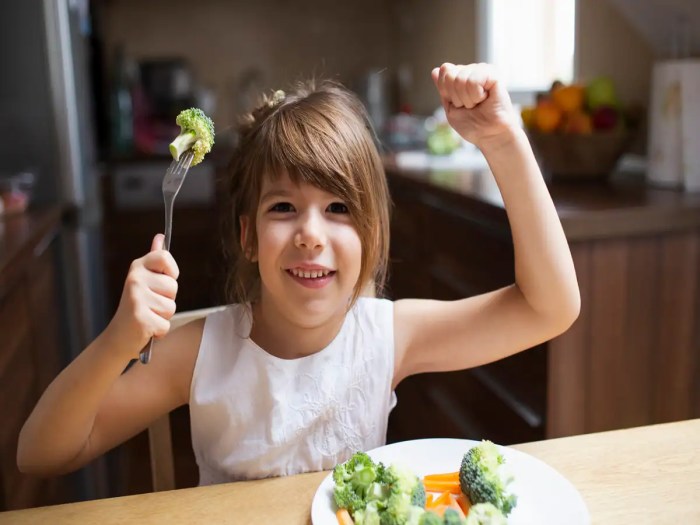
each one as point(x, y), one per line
point(430, 518)
point(376, 495)
point(354, 482)
point(196, 133)
point(452, 517)
point(482, 479)
point(485, 514)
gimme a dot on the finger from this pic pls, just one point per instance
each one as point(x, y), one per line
point(462, 89)
point(157, 242)
point(448, 82)
point(162, 284)
point(455, 95)
point(161, 327)
point(161, 306)
point(161, 261)
point(435, 74)
point(442, 87)
point(477, 83)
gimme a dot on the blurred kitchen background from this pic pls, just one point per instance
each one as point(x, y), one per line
point(88, 98)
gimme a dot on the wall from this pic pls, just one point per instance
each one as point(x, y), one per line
point(608, 44)
point(288, 40)
point(428, 34)
point(226, 39)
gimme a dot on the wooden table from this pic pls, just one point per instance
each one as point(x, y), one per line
point(644, 475)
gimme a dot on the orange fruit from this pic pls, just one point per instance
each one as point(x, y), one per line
point(528, 116)
point(548, 116)
point(569, 98)
point(578, 123)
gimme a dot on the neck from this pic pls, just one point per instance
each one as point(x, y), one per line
point(281, 336)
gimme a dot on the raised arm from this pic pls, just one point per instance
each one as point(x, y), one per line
point(544, 300)
point(92, 405)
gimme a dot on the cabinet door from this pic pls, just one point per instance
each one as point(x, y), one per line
point(17, 394)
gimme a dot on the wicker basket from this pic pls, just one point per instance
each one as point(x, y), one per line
point(579, 157)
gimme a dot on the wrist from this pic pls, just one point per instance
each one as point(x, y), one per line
point(505, 139)
point(112, 340)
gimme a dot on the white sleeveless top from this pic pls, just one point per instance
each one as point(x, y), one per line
point(254, 415)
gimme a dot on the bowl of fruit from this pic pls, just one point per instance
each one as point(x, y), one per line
point(579, 132)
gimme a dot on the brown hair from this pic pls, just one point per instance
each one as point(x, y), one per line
point(321, 135)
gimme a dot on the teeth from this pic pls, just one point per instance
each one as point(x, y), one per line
point(309, 274)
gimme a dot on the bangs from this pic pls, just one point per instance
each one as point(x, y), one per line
point(307, 145)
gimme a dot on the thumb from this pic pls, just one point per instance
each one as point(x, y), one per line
point(157, 242)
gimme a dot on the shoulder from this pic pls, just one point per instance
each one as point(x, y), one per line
point(374, 304)
point(181, 347)
point(374, 311)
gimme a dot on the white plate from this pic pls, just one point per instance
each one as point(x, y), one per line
point(545, 497)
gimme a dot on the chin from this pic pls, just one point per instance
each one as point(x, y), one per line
point(313, 312)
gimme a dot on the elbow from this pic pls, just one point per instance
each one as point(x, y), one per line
point(567, 313)
point(31, 461)
point(27, 459)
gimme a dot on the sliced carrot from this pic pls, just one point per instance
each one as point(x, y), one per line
point(442, 499)
point(440, 510)
point(344, 517)
point(463, 503)
point(454, 504)
point(428, 499)
point(447, 476)
point(443, 486)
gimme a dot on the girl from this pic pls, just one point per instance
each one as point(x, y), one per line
point(299, 372)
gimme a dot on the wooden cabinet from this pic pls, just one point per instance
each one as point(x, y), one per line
point(195, 244)
point(30, 351)
point(630, 359)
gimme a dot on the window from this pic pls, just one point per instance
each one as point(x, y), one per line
point(530, 41)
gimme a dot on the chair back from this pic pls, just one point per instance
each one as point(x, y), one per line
point(159, 435)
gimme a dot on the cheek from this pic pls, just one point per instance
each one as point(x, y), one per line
point(350, 247)
point(272, 240)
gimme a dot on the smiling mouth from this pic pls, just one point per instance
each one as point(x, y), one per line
point(310, 274)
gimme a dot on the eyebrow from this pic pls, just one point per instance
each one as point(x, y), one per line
point(274, 193)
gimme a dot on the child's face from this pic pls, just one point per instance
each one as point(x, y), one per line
point(309, 253)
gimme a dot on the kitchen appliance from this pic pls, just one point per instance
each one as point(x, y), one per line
point(672, 29)
point(674, 125)
point(168, 85)
point(47, 127)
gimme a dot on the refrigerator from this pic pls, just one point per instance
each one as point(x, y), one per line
point(47, 125)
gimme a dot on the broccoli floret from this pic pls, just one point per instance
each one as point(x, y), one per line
point(430, 518)
point(196, 132)
point(482, 480)
point(418, 495)
point(354, 481)
point(452, 517)
point(406, 496)
point(346, 498)
point(368, 516)
point(485, 514)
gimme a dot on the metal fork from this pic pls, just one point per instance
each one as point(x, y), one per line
point(172, 182)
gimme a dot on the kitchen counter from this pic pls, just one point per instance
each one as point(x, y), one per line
point(627, 361)
point(22, 234)
point(640, 475)
point(624, 205)
point(32, 350)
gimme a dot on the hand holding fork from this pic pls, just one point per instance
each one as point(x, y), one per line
point(172, 182)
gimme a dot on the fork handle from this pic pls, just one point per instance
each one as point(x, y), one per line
point(145, 353)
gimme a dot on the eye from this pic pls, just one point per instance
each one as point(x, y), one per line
point(338, 207)
point(282, 207)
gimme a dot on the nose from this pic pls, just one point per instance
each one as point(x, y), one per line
point(311, 233)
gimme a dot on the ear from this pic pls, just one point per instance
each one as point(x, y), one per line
point(244, 222)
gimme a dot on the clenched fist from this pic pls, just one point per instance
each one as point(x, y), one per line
point(477, 104)
point(148, 299)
